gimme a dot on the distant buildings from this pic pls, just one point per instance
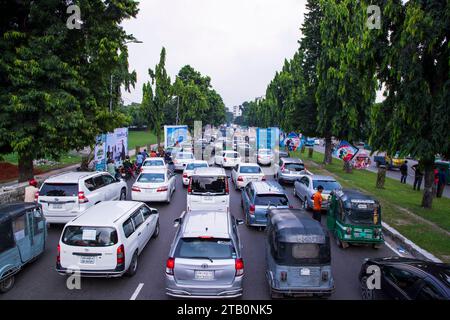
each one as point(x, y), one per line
point(237, 111)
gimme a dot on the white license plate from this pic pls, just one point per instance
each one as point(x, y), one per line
point(150, 190)
point(208, 199)
point(204, 275)
point(305, 272)
point(57, 206)
point(87, 260)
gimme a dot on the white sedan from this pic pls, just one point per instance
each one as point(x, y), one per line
point(189, 170)
point(154, 186)
point(182, 159)
point(154, 163)
point(228, 159)
point(265, 156)
point(244, 173)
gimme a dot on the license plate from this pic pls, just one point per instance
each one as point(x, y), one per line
point(305, 272)
point(150, 190)
point(87, 260)
point(204, 275)
point(208, 199)
point(57, 206)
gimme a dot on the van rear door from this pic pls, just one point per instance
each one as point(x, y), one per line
point(208, 193)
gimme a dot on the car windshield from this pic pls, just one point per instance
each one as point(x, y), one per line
point(193, 166)
point(205, 248)
point(215, 185)
point(271, 199)
point(59, 190)
point(328, 185)
point(89, 236)
point(250, 169)
point(151, 178)
point(231, 155)
point(302, 253)
point(297, 167)
point(182, 155)
point(154, 163)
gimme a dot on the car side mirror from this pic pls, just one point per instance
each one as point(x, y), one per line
point(239, 222)
point(176, 222)
point(154, 211)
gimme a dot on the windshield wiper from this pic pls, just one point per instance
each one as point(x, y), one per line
point(207, 258)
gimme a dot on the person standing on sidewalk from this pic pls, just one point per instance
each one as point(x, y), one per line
point(442, 181)
point(317, 204)
point(418, 176)
point(404, 172)
point(30, 190)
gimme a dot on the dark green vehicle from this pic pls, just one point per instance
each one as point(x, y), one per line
point(441, 164)
point(355, 218)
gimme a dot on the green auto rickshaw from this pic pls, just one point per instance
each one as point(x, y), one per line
point(355, 218)
point(441, 164)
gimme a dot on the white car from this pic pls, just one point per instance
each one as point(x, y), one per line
point(244, 173)
point(107, 239)
point(154, 186)
point(187, 147)
point(154, 163)
point(228, 159)
point(65, 196)
point(265, 156)
point(189, 170)
point(181, 159)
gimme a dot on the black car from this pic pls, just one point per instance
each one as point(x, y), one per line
point(405, 279)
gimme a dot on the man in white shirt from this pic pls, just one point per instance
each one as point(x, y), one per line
point(31, 190)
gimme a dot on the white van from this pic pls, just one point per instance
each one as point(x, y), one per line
point(107, 239)
point(208, 190)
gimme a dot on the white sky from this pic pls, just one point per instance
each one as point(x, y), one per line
point(240, 44)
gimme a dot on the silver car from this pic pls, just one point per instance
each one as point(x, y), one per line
point(290, 169)
point(306, 186)
point(205, 257)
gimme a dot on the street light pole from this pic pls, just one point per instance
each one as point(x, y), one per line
point(178, 107)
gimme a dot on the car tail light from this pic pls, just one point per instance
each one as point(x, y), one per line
point(239, 266)
point(252, 209)
point(135, 189)
point(349, 230)
point(162, 189)
point(36, 196)
point(263, 178)
point(324, 275)
point(283, 276)
point(82, 198)
point(170, 265)
point(224, 159)
point(120, 255)
point(227, 189)
point(185, 175)
point(190, 186)
point(58, 254)
point(241, 179)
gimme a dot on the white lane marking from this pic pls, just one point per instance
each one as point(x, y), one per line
point(393, 249)
point(136, 292)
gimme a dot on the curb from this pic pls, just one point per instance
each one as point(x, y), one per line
point(410, 246)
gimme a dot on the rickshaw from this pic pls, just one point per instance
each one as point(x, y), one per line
point(355, 218)
point(361, 161)
point(441, 164)
point(298, 259)
point(22, 239)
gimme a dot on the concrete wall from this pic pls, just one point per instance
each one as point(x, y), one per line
point(14, 193)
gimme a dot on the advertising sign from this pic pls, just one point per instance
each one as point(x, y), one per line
point(111, 146)
point(175, 135)
point(345, 151)
point(292, 140)
point(100, 153)
point(267, 138)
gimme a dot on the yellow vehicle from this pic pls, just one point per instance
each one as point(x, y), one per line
point(390, 162)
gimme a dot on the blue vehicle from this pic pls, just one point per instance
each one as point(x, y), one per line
point(309, 142)
point(298, 256)
point(257, 197)
point(23, 234)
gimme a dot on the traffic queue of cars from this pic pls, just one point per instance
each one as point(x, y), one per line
point(103, 237)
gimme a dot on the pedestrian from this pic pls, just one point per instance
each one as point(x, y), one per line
point(317, 204)
point(111, 168)
point(139, 159)
point(436, 181)
point(418, 176)
point(145, 154)
point(404, 172)
point(30, 190)
point(442, 181)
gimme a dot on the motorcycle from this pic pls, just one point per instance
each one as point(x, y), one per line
point(125, 174)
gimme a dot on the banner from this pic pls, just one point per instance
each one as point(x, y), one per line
point(100, 153)
point(345, 151)
point(293, 141)
point(111, 146)
point(267, 138)
point(175, 135)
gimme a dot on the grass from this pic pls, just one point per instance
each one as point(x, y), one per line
point(140, 138)
point(395, 198)
point(68, 159)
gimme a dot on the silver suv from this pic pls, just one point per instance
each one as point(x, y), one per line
point(205, 258)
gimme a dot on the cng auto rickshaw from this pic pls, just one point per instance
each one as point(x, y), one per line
point(23, 233)
point(298, 258)
point(355, 218)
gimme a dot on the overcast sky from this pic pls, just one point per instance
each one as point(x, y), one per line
point(240, 44)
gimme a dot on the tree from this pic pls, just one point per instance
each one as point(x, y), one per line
point(414, 67)
point(55, 82)
point(156, 95)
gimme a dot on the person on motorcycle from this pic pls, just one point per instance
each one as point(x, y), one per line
point(128, 166)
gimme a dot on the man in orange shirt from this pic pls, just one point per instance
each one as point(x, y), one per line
point(317, 207)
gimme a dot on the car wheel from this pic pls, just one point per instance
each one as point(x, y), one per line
point(366, 293)
point(156, 232)
point(123, 195)
point(7, 284)
point(133, 265)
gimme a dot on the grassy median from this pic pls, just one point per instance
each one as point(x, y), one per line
point(429, 229)
point(140, 138)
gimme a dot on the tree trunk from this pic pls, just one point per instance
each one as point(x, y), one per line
point(428, 193)
point(348, 167)
point(302, 150)
point(328, 151)
point(381, 177)
point(158, 137)
point(310, 152)
point(25, 167)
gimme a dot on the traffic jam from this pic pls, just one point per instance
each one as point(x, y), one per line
point(212, 217)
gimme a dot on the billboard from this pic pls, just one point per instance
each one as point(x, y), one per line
point(345, 151)
point(267, 138)
point(111, 146)
point(175, 135)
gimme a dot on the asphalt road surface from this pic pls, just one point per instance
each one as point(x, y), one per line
point(39, 280)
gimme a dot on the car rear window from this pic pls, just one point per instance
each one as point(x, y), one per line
point(295, 167)
point(215, 185)
point(261, 151)
point(59, 190)
point(250, 169)
point(154, 163)
point(231, 155)
point(269, 199)
point(209, 248)
point(151, 178)
point(192, 166)
point(89, 236)
point(182, 155)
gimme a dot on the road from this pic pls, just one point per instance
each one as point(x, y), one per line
point(39, 280)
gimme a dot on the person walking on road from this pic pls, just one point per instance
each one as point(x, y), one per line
point(418, 176)
point(139, 159)
point(30, 190)
point(404, 172)
point(317, 204)
point(442, 181)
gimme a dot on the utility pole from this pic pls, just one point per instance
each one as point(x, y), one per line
point(111, 94)
point(178, 107)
